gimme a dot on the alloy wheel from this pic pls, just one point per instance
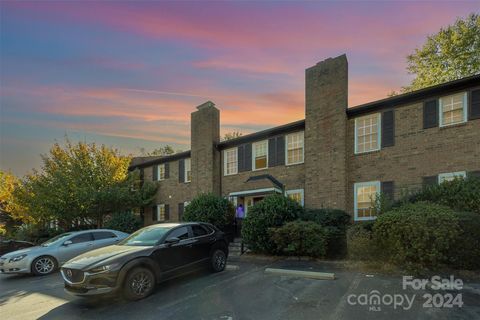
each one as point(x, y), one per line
point(44, 265)
point(141, 284)
point(219, 260)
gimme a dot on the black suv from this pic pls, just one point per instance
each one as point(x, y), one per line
point(150, 255)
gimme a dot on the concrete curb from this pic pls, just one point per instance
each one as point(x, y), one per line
point(231, 267)
point(304, 274)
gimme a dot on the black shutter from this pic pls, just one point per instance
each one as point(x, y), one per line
point(167, 170)
point(240, 160)
point(272, 152)
point(167, 212)
point(155, 173)
point(181, 170)
point(430, 114)
point(248, 157)
point(180, 211)
point(474, 174)
point(388, 189)
point(280, 151)
point(154, 213)
point(474, 104)
point(429, 181)
point(388, 128)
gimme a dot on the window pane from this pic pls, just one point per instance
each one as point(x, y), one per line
point(180, 233)
point(452, 109)
point(295, 148)
point(84, 237)
point(103, 235)
point(365, 200)
point(367, 129)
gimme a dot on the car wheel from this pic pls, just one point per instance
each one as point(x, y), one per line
point(44, 265)
point(139, 284)
point(218, 260)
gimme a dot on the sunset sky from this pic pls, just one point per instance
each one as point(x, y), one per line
point(128, 74)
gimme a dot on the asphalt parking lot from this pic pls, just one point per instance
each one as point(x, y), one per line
point(244, 293)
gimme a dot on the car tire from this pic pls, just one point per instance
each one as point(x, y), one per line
point(218, 260)
point(44, 265)
point(139, 283)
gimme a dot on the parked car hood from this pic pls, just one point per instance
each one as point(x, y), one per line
point(29, 251)
point(91, 258)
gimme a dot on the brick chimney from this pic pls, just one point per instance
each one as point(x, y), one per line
point(205, 158)
point(326, 101)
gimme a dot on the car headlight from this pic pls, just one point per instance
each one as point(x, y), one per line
point(101, 269)
point(17, 258)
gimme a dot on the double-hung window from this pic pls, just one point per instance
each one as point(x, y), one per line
point(453, 109)
point(160, 212)
point(294, 148)
point(296, 195)
point(230, 162)
point(364, 202)
point(188, 170)
point(260, 155)
point(367, 133)
point(161, 172)
point(451, 176)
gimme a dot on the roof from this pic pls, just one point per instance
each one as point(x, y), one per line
point(289, 127)
point(417, 95)
point(163, 159)
point(410, 97)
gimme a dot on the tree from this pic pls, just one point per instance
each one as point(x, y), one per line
point(8, 202)
point(232, 135)
point(83, 182)
point(452, 53)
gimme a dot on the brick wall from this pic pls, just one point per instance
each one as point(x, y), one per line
point(417, 152)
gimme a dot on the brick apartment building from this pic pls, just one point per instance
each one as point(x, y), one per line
point(338, 157)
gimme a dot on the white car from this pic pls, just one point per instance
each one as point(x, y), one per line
point(46, 258)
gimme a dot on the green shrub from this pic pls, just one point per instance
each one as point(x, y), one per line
point(327, 217)
point(466, 252)
point(124, 221)
point(273, 211)
point(210, 208)
point(360, 244)
point(462, 195)
point(35, 233)
point(335, 222)
point(419, 235)
point(300, 238)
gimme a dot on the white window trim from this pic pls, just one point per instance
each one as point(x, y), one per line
point(253, 155)
point(158, 172)
point(465, 110)
point(297, 191)
point(462, 174)
point(185, 175)
point(158, 211)
point(379, 134)
point(286, 149)
point(225, 162)
point(355, 205)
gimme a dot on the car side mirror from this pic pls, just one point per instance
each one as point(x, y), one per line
point(172, 240)
point(67, 243)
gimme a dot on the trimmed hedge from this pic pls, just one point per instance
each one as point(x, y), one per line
point(300, 238)
point(210, 208)
point(273, 211)
point(360, 244)
point(335, 222)
point(466, 251)
point(124, 221)
point(419, 235)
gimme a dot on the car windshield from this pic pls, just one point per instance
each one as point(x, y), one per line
point(56, 239)
point(145, 237)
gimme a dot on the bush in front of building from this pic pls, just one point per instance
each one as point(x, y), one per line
point(124, 221)
point(462, 195)
point(210, 208)
point(35, 233)
point(466, 252)
point(300, 238)
point(417, 235)
point(360, 244)
point(335, 222)
point(272, 212)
